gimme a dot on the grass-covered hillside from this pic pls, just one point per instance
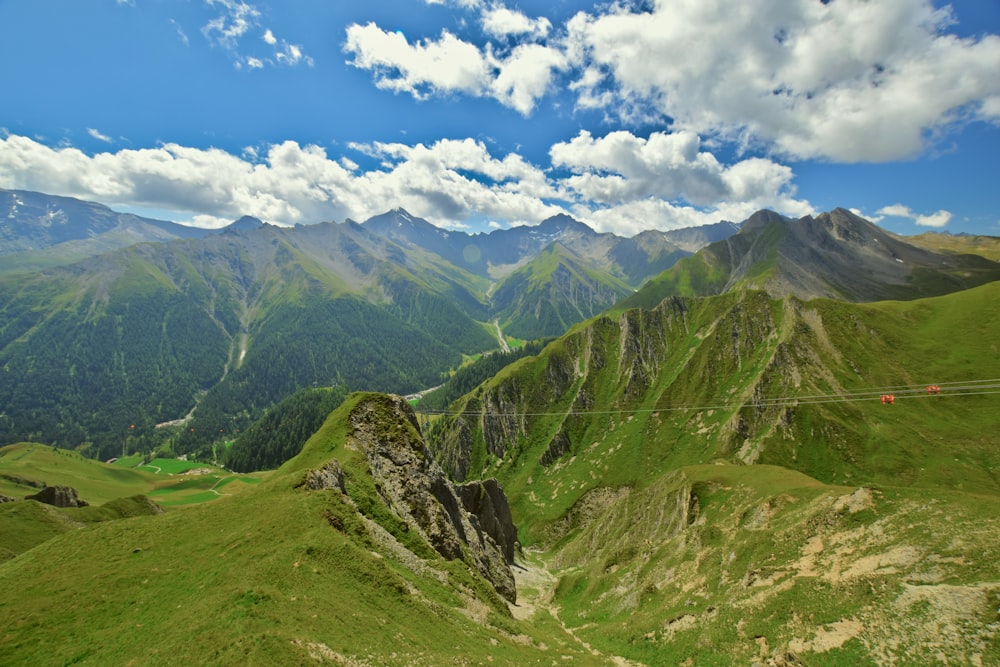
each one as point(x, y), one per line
point(311, 566)
point(129, 487)
point(717, 481)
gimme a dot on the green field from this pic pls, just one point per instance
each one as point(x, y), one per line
point(170, 480)
point(25, 468)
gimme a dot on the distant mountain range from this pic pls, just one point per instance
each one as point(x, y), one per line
point(836, 255)
point(233, 320)
point(39, 230)
point(216, 327)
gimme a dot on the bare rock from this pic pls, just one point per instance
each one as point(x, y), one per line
point(330, 476)
point(59, 496)
point(487, 502)
point(415, 488)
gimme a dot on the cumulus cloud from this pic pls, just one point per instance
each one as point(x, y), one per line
point(445, 65)
point(525, 76)
point(448, 182)
point(849, 80)
point(620, 182)
point(938, 220)
point(621, 169)
point(500, 21)
point(450, 65)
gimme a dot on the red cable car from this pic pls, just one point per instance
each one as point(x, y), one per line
point(933, 389)
point(888, 399)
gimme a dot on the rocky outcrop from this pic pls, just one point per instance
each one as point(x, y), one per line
point(473, 524)
point(330, 476)
point(59, 496)
point(487, 503)
point(560, 445)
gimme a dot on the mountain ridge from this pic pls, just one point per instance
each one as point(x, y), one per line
point(834, 255)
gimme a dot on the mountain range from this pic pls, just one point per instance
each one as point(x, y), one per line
point(779, 450)
point(98, 351)
point(213, 329)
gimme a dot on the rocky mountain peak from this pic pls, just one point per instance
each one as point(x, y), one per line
point(244, 224)
point(564, 223)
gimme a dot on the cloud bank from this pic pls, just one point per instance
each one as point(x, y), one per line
point(620, 182)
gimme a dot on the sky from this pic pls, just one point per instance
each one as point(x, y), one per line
point(485, 114)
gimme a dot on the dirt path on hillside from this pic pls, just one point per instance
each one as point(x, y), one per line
point(535, 592)
point(500, 337)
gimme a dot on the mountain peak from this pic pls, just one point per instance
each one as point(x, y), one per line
point(245, 223)
point(762, 219)
point(398, 218)
point(563, 222)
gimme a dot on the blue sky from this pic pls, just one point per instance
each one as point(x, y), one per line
point(478, 114)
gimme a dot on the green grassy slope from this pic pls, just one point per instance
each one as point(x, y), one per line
point(112, 491)
point(721, 565)
point(276, 575)
point(716, 480)
point(985, 246)
point(552, 292)
point(742, 377)
point(95, 482)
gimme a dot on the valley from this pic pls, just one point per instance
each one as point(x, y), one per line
point(698, 468)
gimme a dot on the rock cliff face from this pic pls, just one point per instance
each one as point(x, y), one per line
point(487, 503)
point(472, 522)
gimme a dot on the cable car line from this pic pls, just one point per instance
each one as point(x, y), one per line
point(944, 390)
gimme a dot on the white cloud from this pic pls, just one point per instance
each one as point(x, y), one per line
point(97, 135)
point(445, 65)
point(180, 33)
point(850, 80)
point(938, 220)
point(451, 65)
point(291, 54)
point(621, 168)
point(236, 19)
point(448, 182)
point(618, 183)
point(500, 21)
point(526, 75)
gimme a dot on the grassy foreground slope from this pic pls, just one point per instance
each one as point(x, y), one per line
point(277, 575)
point(715, 480)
